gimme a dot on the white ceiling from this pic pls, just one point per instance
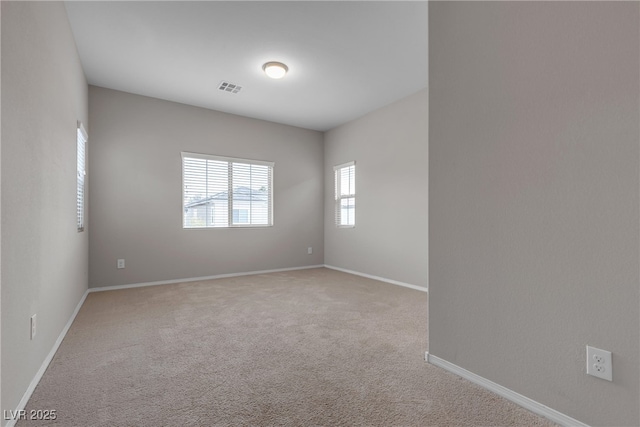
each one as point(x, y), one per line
point(345, 58)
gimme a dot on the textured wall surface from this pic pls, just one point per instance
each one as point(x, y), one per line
point(390, 149)
point(136, 185)
point(534, 192)
point(44, 258)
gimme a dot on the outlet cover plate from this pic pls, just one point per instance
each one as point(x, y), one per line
point(33, 326)
point(599, 363)
point(120, 263)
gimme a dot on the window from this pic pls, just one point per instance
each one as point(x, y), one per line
point(226, 192)
point(345, 191)
point(81, 142)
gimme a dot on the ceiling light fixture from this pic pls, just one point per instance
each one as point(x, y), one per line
point(275, 70)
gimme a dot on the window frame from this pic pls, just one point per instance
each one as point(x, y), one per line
point(81, 176)
point(230, 207)
point(337, 177)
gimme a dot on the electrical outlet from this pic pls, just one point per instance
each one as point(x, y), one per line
point(309, 250)
point(599, 363)
point(33, 326)
point(120, 263)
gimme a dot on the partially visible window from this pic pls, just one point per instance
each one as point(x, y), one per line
point(226, 192)
point(81, 149)
point(345, 194)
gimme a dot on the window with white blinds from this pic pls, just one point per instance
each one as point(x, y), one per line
point(81, 148)
point(226, 192)
point(345, 194)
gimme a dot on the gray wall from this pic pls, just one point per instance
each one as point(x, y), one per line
point(390, 149)
point(534, 192)
point(44, 258)
point(136, 188)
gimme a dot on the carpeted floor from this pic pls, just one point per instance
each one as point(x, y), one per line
point(300, 348)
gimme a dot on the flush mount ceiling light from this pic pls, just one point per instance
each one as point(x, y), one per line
point(275, 70)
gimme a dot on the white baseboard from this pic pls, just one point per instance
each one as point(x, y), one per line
point(45, 363)
point(197, 279)
point(525, 402)
point(382, 279)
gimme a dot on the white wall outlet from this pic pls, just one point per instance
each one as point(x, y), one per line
point(33, 326)
point(599, 363)
point(120, 263)
point(309, 250)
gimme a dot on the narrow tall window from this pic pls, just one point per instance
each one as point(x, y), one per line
point(226, 192)
point(345, 194)
point(81, 149)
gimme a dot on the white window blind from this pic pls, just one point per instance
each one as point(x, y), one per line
point(226, 192)
point(81, 147)
point(345, 194)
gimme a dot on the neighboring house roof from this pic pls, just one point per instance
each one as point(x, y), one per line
point(239, 194)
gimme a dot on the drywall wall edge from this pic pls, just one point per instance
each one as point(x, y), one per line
point(525, 402)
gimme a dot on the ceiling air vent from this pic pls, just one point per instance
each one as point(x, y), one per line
point(229, 87)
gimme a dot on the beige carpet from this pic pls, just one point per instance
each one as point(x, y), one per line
point(301, 348)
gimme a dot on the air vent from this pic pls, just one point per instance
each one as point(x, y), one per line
point(229, 87)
